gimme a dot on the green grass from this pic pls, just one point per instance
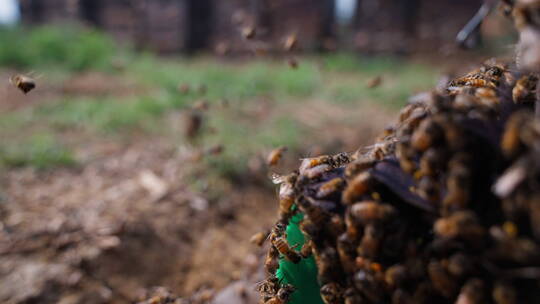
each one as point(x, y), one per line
point(71, 47)
point(62, 52)
point(39, 151)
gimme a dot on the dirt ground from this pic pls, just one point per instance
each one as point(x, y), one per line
point(125, 220)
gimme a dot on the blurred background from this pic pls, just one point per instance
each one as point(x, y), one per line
point(140, 159)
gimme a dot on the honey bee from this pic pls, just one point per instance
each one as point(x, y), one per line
point(405, 154)
point(184, 88)
point(306, 250)
point(351, 296)
point(23, 83)
point(271, 262)
point(459, 264)
point(369, 212)
point(293, 63)
point(340, 160)
point(286, 199)
point(336, 225)
point(193, 124)
point(269, 287)
point(463, 224)
point(472, 292)
point(374, 82)
point(479, 83)
point(309, 228)
point(327, 261)
point(511, 142)
point(357, 187)
point(215, 150)
point(426, 135)
point(395, 276)
point(347, 252)
point(330, 187)
point(429, 189)
point(369, 287)
point(317, 171)
point(283, 295)
point(504, 293)
point(358, 166)
point(283, 247)
point(332, 293)
point(259, 238)
point(370, 243)
point(201, 105)
point(291, 42)
point(308, 163)
point(441, 279)
point(275, 156)
point(202, 89)
point(525, 89)
point(248, 32)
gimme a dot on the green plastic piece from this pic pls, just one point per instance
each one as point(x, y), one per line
point(303, 276)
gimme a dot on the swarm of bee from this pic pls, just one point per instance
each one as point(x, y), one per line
point(443, 208)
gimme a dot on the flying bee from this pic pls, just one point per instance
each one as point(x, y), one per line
point(291, 42)
point(275, 156)
point(193, 124)
point(283, 295)
point(23, 83)
point(215, 150)
point(369, 212)
point(332, 293)
point(283, 247)
point(259, 238)
point(248, 32)
point(357, 187)
point(330, 187)
point(184, 88)
point(201, 105)
point(374, 82)
point(293, 63)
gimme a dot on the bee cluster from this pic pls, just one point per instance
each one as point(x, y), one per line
point(443, 208)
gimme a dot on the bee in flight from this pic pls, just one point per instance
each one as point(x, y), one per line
point(23, 83)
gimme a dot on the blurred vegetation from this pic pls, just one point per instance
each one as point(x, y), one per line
point(61, 53)
point(71, 47)
point(39, 151)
